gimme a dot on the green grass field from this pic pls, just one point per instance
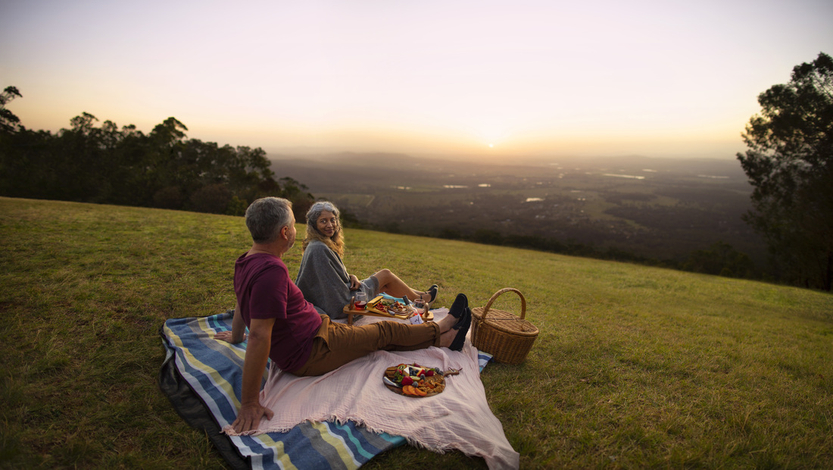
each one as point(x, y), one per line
point(634, 367)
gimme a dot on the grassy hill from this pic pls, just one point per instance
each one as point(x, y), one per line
point(634, 366)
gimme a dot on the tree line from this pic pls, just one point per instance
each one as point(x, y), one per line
point(789, 163)
point(124, 166)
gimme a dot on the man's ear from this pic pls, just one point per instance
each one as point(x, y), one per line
point(284, 231)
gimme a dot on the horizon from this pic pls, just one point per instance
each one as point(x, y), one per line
point(465, 81)
point(322, 155)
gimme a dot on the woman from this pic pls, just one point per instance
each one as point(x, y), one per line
point(322, 276)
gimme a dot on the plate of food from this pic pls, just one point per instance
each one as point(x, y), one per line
point(416, 381)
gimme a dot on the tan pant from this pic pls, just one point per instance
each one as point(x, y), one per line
point(336, 344)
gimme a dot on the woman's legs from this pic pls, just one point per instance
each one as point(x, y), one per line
point(392, 285)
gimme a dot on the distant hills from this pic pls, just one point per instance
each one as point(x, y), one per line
point(309, 168)
point(631, 208)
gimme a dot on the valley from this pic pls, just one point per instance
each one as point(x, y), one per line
point(661, 209)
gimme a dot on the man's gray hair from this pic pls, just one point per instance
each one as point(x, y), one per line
point(266, 217)
point(315, 211)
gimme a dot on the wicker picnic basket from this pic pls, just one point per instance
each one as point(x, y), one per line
point(503, 335)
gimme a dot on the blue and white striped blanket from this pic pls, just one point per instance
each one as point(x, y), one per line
point(213, 370)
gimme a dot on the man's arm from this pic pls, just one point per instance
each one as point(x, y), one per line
point(238, 329)
point(257, 353)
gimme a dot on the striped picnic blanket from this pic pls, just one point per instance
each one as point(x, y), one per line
point(202, 378)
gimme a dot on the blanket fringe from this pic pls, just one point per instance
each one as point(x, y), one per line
point(228, 430)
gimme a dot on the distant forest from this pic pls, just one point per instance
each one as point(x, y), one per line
point(123, 166)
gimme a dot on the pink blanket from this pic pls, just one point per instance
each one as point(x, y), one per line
point(458, 418)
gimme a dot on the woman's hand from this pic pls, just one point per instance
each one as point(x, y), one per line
point(354, 282)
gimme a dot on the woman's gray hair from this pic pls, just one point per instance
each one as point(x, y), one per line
point(266, 217)
point(315, 211)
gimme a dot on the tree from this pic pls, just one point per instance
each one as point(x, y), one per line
point(789, 163)
point(298, 193)
point(124, 166)
point(8, 121)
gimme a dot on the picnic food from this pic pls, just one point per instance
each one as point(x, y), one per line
point(415, 380)
point(399, 308)
point(383, 304)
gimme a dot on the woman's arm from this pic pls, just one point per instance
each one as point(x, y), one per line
point(324, 280)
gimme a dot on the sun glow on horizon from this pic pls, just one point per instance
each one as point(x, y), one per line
point(503, 82)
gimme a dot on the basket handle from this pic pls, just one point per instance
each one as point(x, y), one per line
point(498, 293)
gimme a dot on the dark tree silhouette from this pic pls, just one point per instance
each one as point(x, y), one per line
point(162, 169)
point(789, 163)
point(8, 121)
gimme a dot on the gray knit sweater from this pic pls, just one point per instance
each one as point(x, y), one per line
point(324, 280)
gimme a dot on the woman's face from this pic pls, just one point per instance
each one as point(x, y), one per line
point(327, 223)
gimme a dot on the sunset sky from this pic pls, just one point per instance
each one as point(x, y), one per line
point(442, 78)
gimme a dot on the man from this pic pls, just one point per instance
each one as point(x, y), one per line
point(286, 328)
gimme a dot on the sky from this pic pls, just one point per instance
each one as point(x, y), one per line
point(460, 79)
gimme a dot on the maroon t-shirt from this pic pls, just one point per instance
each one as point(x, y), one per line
point(264, 290)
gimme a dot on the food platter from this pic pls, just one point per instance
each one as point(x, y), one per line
point(415, 381)
point(388, 305)
point(382, 306)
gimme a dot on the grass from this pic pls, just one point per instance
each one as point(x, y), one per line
point(634, 366)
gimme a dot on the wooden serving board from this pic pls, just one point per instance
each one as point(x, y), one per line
point(350, 312)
